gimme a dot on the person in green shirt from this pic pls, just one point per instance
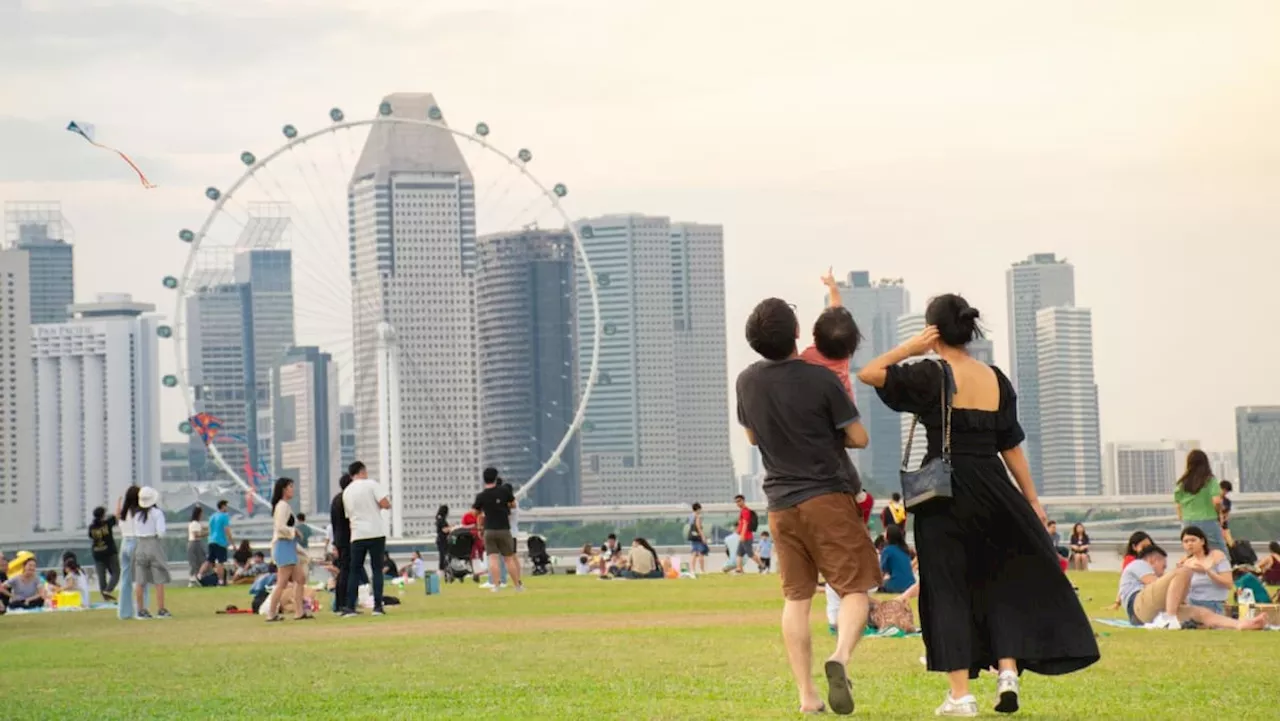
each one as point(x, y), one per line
point(304, 530)
point(1198, 499)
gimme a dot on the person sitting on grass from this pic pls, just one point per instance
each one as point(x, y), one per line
point(1079, 548)
point(1156, 599)
point(895, 562)
point(1244, 580)
point(1211, 581)
point(1269, 567)
point(26, 590)
point(248, 573)
point(642, 561)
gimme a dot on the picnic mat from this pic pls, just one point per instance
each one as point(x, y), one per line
point(1122, 623)
point(100, 606)
point(890, 632)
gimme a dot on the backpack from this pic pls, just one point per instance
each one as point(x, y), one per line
point(753, 522)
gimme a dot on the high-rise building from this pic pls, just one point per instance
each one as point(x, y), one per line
point(412, 223)
point(909, 326)
point(268, 276)
point(346, 439)
point(526, 333)
point(42, 231)
point(876, 307)
point(306, 431)
point(662, 311)
point(97, 409)
point(175, 465)
point(1258, 445)
point(220, 365)
point(17, 397)
point(1040, 281)
point(1225, 465)
point(237, 332)
point(1139, 469)
point(703, 453)
point(1071, 457)
point(629, 444)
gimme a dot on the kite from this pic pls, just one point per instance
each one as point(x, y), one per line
point(85, 131)
point(207, 425)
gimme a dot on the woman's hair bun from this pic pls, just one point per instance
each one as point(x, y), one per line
point(955, 319)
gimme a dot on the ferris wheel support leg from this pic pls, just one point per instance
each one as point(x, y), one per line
point(397, 477)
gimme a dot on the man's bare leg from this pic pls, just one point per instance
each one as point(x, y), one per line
point(799, 642)
point(1177, 592)
point(854, 608)
point(513, 569)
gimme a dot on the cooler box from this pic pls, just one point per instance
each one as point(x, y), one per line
point(432, 583)
point(67, 599)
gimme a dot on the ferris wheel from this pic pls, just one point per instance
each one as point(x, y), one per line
point(353, 247)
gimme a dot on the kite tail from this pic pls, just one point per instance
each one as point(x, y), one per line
point(145, 183)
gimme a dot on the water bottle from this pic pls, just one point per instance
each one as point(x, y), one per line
point(1245, 598)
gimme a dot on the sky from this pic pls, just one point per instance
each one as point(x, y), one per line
point(931, 140)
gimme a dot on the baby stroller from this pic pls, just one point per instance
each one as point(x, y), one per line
point(461, 544)
point(538, 556)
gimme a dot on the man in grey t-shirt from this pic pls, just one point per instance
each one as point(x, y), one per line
point(802, 419)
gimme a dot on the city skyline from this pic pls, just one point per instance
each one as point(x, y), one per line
point(1150, 179)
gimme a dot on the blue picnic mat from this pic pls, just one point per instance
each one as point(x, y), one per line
point(100, 606)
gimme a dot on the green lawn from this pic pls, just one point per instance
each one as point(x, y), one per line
point(570, 648)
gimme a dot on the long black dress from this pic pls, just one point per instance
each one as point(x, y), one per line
point(990, 583)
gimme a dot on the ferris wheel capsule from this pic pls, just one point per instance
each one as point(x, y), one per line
point(170, 381)
point(524, 155)
point(336, 115)
point(170, 282)
point(289, 131)
point(212, 193)
point(482, 129)
point(384, 109)
point(186, 236)
point(586, 232)
point(560, 190)
point(434, 113)
point(247, 158)
point(184, 428)
point(164, 331)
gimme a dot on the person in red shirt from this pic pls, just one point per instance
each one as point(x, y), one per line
point(746, 536)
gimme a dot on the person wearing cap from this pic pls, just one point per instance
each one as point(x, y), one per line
point(150, 565)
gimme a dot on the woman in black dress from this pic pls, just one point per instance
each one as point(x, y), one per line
point(991, 591)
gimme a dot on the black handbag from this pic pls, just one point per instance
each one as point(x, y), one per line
point(933, 479)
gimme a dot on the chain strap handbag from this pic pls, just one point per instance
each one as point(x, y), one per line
point(933, 479)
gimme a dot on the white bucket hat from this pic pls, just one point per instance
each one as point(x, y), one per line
point(148, 497)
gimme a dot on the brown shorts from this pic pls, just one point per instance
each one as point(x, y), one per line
point(824, 535)
point(500, 542)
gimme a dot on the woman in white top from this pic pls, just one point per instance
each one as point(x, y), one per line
point(150, 564)
point(128, 547)
point(284, 552)
point(196, 547)
point(1211, 580)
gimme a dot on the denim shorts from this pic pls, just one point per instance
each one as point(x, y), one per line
point(699, 547)
point(284, 553)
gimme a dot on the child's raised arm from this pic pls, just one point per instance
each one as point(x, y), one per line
point(833, 290)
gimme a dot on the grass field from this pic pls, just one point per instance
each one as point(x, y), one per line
point(570, 648)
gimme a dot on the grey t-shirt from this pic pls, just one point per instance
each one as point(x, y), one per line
point(1131, 579)
point(23, 589)
point(798, 413)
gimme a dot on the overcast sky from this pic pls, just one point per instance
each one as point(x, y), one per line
point(936, 141)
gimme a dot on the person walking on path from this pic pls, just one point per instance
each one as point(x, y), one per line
point(363, 501)
point(991, 591)
point(802, 419)
point(106, 559)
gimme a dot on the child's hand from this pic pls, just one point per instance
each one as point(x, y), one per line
point(829, 280)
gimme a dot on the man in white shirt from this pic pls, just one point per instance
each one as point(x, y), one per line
point(363, 502)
